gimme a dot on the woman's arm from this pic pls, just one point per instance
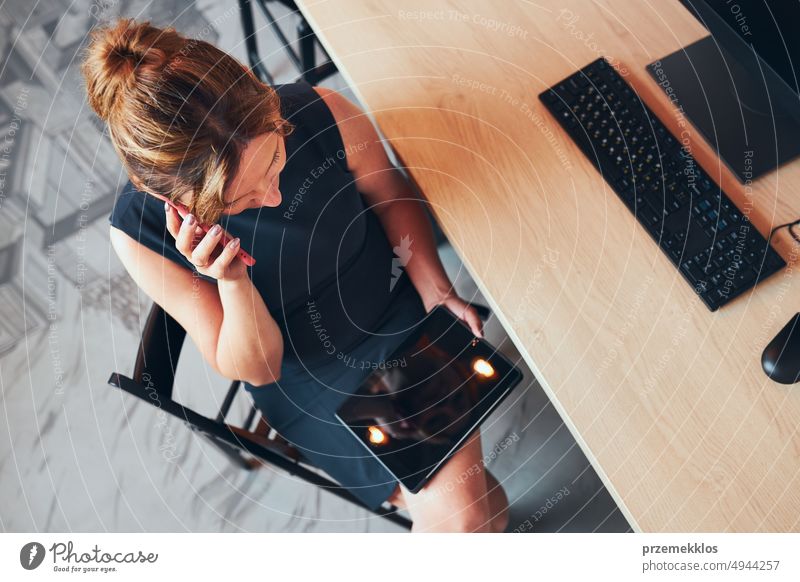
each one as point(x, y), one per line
point(398, 207)
point(249, 338)
point(228, 322)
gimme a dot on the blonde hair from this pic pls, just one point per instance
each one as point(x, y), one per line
point(179, 111)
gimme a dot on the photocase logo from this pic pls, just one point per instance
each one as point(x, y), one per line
point(403, 252)
point(31, 555)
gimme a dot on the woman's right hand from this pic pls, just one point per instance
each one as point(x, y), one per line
point(202, 249)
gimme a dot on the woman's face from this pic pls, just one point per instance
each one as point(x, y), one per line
point(256, 183)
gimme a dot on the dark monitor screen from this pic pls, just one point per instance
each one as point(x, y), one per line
point(770, 28)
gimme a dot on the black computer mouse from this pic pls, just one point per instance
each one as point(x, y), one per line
point(781, 357)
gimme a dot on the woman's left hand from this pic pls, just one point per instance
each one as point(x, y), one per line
point(462, 310)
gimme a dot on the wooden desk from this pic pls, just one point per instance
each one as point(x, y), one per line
point(667, 399)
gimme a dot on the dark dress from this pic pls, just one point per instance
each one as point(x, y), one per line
point(328, 276)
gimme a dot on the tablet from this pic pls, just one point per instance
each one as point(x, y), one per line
point(418, 406)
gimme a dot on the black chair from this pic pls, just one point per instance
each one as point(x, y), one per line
point(304, 61)
point(249, 447)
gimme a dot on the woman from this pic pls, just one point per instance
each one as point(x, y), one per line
point(299, 177)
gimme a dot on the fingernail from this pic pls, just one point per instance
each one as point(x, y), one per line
point(234, 243)
point(189, 219)
point(215, 230)
point(166, 206)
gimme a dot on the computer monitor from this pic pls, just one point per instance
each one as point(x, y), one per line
point(739, 86)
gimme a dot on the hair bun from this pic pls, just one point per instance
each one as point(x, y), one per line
point(116, 58)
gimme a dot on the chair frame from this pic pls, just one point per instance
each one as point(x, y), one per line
point(304, 61)
point(248, 448)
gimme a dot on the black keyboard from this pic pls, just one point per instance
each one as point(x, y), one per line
point(695, 224)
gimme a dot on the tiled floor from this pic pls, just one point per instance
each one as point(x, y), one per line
point(78, 455)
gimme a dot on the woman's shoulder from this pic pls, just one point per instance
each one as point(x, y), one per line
point(142, 218)
point(306, 107)
point(302, 99)
point(298, 100)
point(134, 210)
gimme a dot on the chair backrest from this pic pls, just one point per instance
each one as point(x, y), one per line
point(159, 351)
point(154, 379)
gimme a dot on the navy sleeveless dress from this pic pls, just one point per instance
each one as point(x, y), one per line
point(330, 279)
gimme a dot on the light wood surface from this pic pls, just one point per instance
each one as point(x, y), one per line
point(667, 399)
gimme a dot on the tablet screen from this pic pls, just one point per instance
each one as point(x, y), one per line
point(421, 404)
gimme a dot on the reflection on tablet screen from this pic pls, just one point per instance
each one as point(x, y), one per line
point(413, 414)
